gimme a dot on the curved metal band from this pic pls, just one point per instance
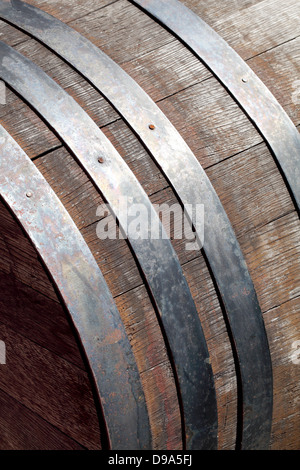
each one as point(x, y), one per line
point(191, 184)
point(84, 292)
point(156, 257)
point(247, 89)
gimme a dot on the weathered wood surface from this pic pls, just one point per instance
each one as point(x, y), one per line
point(21, 428)
point(266, 34)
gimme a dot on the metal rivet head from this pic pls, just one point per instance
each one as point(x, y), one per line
point(244, 80)
point(101, 160)
point(152, 127)
point(29, 194)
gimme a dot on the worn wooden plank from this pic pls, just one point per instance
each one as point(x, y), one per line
point(210, 122)
point(272, 255)
point(11, 34)
point(68, 11)
point(50, 387)
point(26, 127)
point(284, 333)
point(21, 429)
point(260, 27)
point(166, 70)
point(107, 27)
point(37, 318)
point(251, 189)
point(211, 11)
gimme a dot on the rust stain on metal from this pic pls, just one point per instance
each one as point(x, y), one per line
point(113, 337)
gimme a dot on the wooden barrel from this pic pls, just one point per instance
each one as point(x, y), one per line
point(46, 393)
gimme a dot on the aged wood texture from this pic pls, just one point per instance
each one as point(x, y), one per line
point(266, 34)
point(283, 326)
point(22, 429)
point(50, 387)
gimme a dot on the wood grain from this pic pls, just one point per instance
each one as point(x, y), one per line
point(50, 387)
point(283, 330)
point(244, 175)
point(251, 31)
point(21, 429)
point(38, 318)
